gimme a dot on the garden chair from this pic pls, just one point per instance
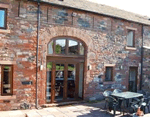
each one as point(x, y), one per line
point(117, 91)
point(112, 104)
point(106, 94)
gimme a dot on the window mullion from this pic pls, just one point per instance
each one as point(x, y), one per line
point(67, 42)
point(54, 46)
point(78, 48)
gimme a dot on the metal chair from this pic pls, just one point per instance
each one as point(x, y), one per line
point(106, 94)
point(117, 91)
point(119, 99)
point(142, 103)
point(112, 104)
point(135, 105)
point(146, 104)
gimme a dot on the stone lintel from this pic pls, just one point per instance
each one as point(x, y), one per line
point(7, 62)
point(131, 28)
point(109, 65)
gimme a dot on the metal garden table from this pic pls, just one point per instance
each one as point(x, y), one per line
point(126, 96)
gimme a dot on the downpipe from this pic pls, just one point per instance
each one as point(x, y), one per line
point(141, 77)
point(37, 51)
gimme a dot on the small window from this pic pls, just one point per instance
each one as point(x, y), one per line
point(109, 74)
point(7, 79)
point(2, 18)
point(130, 38)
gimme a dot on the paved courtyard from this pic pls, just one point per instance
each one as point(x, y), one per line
point(79, 110)
point(75, 110)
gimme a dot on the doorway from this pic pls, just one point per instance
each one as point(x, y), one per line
point(65, 69)
point(133, 71)
point(64, 80)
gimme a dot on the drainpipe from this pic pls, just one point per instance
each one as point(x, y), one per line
point(141, 77)
point(37, 51)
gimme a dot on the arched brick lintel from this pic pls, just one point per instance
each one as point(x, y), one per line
point(62, 31)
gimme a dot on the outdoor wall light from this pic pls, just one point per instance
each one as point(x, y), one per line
point(89, 67)
point(121, 67)
point(41, 67)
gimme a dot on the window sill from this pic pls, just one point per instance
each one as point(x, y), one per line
point(4, 31)
point(130, 48)
point(13, 97)
point(131, 28)
point(108, 82)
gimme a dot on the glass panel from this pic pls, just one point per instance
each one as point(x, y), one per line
point(60, 46)
point(7, 79)
point(81, 49)
point(73, 47)
point(130, 38)
point(108, 76)
point(50, 47)
point(48, 91)
point(132, 80)
point(2, 18)
point(59, 79)
point(81, 80)
point(71, 81)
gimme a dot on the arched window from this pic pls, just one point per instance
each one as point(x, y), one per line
point(65, 46)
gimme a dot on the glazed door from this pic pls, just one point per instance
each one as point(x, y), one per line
point(63, 82)
point(133, 79)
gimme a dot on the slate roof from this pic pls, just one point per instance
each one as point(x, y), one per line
point(101, 9)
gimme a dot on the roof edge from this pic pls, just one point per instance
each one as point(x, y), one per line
point(50, 3)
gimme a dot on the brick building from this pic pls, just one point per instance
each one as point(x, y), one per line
point(84, 48)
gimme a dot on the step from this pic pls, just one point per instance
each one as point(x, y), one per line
point(62, 104)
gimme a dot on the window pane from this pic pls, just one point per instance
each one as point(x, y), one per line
point(81, 49)
point(73, 47)
point(59, 81)
point(60, 46)
point(81, 80)
point(132, 79)
point(48, 91)
point(71, 81)
point(7, 77)
point(130, 38)
point(108, 75)
point(50, 48)
point(2, 18)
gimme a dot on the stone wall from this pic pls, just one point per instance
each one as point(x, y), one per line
point(146, 71)
point(146, 61)
point(105, 38)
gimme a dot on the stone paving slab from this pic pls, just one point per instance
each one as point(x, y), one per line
point(77, 110)
point(32, 113)
point(17, 113)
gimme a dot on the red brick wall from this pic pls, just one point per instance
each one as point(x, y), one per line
point(105, 38)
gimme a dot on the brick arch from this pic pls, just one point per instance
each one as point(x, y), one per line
point(48, 34)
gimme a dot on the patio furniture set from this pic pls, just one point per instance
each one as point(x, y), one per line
point(126, 101)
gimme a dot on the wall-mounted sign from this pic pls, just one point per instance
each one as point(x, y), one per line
point(27, 82)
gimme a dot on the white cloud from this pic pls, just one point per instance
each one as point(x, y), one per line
point(135, 6)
